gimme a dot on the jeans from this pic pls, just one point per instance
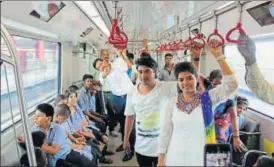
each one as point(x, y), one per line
point(109, 107)
point(119, 105)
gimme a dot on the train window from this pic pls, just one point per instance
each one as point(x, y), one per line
point(265, 59)
point(4, 47)
point(39, 64)
point(9, 96)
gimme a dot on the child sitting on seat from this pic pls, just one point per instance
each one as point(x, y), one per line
point(76, 126)
point(41, 159)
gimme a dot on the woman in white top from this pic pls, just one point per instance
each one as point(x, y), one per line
point(183, 134)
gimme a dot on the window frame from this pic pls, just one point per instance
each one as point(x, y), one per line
point(31, 109)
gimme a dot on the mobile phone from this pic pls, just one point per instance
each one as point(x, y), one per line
point(218, 155)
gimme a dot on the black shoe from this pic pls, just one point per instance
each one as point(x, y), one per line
point(113, 134)
point(109, 152)
point(106, 160)
point(128, 156)
point(120, 148)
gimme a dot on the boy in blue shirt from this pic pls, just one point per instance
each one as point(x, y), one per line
point(57, 144)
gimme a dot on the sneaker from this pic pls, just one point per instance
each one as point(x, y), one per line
point(120, 148)
point(113, 134)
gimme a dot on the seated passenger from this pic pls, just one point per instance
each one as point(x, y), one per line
point(265, 161)
point(91, 124)
point(222, 120)
point(99, 135)
point(223, 117)
point(87, 102)
point(41, 158)
point(76, 117)
point(77, 125)
point(254, 78)
point(38, 140)
point(93, 91)
point(60, 99)
point(57, 146)
point(61, 115)
point(215, 78)
point(189, 121)
point(242, 104)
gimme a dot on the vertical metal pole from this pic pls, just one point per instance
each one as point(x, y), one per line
point(21, 100)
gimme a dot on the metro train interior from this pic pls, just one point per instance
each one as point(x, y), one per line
point(50, 47)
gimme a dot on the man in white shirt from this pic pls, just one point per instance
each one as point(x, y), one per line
point(144, 105)
point(105, 101)
point(115, 76)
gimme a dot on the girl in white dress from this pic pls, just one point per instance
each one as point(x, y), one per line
point(184, 134)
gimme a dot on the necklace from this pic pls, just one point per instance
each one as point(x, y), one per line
point(188, 107)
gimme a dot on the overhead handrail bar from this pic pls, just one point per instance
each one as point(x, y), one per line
point(208, 16)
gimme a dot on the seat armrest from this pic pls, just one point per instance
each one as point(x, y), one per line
point(249, 133)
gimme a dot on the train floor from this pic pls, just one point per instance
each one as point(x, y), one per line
point(113, 143)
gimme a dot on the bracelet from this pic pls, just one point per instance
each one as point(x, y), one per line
point(196, 59)
point(220, 58)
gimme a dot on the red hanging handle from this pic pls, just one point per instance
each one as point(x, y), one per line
point(161, 48)
point(158, 48)
point(180, 45)
point(188, 42)
point(198, 44)
point(169, 46)
point(164, 47)
point(120, 46)
point(241, 31)
point(173, 46)
point(116, 35)
point(216, 33)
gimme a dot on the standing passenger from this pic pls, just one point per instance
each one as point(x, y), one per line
point(107, 93)
point(167, 73)
point(132, 72)
point(254, 78)
point(120, 84)
point(144, 103)
point(189, 123)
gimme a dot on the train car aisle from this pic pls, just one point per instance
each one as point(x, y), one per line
point(113, 143)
